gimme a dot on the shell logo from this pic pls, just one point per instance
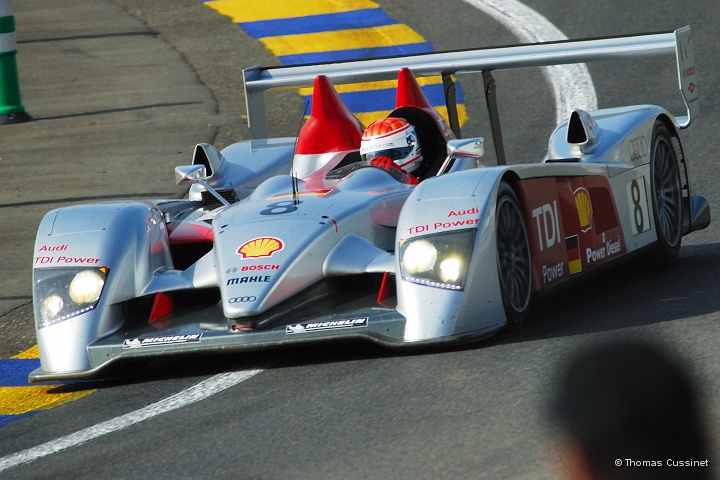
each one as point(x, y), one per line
point(260, 247)
point(584, 208)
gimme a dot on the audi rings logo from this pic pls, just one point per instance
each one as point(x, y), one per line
point(242, 299)
point(638, 148)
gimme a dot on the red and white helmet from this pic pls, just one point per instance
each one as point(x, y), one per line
point(395, 139)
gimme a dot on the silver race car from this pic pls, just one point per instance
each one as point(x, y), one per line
point(290, 240)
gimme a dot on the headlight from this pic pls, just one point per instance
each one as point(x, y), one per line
point(450, 269)
point(419, 256)
point(51, 306)
point(439, 260)
point(62, 293)
point(86, 286)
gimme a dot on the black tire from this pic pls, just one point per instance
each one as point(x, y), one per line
point(514, 264)
point(667, 198)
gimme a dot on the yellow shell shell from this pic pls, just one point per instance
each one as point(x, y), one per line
point(260, 247)
point(584, 207)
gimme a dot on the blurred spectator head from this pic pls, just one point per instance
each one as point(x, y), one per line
point(630, 401)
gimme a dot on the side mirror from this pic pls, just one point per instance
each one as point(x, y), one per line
point(196, 174)
point(190, 174)
point(464, 147)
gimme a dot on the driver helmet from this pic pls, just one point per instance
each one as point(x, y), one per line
point(395, 139)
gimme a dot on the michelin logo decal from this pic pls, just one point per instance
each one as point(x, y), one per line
point(329, 325)
point(153, 341)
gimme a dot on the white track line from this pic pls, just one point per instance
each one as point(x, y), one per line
point(571, 84)
point(196, 393)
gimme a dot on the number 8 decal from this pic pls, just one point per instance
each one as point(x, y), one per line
point(278, 208)
point(637, 196)
point(637, 211)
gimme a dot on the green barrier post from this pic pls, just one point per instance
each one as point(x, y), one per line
point(11, 109)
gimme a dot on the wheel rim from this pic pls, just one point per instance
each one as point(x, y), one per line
point(513, 255)
point(667, 191)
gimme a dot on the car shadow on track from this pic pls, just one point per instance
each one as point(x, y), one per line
point(629, 296)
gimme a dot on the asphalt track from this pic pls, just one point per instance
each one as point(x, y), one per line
point(353, 411)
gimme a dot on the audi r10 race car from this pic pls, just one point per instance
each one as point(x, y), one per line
point(289, 240)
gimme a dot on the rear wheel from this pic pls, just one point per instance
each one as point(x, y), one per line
point(513, 248)
point(666, 198)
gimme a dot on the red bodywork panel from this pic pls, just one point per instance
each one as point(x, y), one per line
point(572, 225)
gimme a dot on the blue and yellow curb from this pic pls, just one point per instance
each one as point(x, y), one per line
point(310, 32)
point(19, 399)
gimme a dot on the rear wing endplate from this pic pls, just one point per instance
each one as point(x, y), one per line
point(444, 64)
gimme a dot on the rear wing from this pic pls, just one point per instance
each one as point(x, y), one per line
point(485, 60)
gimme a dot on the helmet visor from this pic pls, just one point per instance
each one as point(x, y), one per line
point(399, 153)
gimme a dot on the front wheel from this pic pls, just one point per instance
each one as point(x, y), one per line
point(513, 250)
